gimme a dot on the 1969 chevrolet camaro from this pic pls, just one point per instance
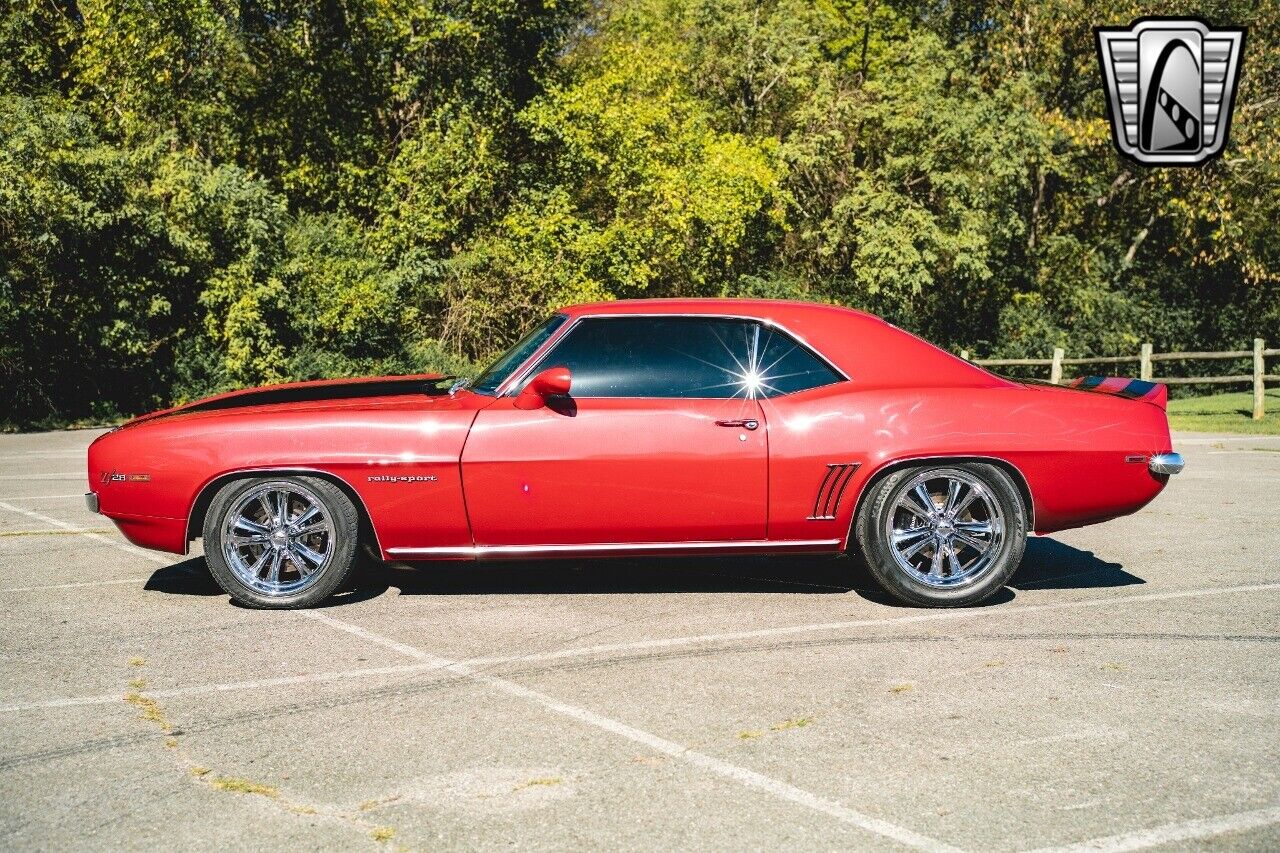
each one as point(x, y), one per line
point(642, 428)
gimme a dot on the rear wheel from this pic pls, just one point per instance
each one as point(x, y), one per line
point(943, 535)
point(280, 542)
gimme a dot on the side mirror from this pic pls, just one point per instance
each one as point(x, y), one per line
point(552, 382)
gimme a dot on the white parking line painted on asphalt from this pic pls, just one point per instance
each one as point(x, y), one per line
point(61, 475)
point(55, 532)
point(930, 616)
point(1271, 450)
point(1174, 832)
point(72, 585)
point(588, 651)
point(79, 495)
point(225, 687)
point(65, 454)
point(741, 775)
point(96, 537)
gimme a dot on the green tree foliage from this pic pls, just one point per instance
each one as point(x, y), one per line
point(202, 194)
point(90, 274)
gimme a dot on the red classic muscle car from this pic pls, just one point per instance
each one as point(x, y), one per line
point(644, 427)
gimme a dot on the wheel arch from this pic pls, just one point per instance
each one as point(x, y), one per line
point(888, 468)
point(204, 499)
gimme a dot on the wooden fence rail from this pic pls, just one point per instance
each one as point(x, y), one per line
point(1146, 357)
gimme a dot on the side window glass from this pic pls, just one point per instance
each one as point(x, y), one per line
point(783, 366)
point(688, 357)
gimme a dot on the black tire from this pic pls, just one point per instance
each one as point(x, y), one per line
point(882, 512)
point(340, 540)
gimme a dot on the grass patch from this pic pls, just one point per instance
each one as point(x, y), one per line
point(545, 781)
point(785, 725)
point(369, 805)
point(382, 834)
point(902, 688)
point(1231, 412)
point(793, 723)
point(149, 710)
point(244, 786)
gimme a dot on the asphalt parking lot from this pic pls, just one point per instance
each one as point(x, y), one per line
point(1124, 693)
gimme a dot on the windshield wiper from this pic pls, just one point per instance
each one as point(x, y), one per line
point(459, 383)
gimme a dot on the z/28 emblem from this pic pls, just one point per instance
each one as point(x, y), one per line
point(115, 477)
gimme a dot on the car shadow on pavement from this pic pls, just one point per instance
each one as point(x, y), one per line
point(190, 577)
point(821, 574)
point(1048, 564)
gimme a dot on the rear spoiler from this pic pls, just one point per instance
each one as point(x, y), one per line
point(1132, 389)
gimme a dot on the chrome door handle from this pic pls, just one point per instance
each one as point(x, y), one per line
point(745, 423)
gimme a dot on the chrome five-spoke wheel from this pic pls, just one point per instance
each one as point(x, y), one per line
point(284, 541)
point(945, 528)
point(943, 535)
point(277, 538)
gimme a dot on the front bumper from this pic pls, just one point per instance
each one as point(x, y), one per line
point(91, 501)
point(1166, 463)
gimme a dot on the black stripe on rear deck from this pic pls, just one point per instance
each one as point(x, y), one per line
point(1091, 382)
point(1136, 388)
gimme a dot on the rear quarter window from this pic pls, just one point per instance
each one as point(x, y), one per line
point(785, 366)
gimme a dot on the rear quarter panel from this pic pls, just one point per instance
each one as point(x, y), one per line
point(1070, 447)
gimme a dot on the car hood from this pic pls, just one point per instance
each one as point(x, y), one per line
point(429, 384)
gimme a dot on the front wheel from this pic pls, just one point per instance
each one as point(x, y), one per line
point(943, 535)
point(280, 542)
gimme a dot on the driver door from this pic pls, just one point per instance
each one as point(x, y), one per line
point(660, 440)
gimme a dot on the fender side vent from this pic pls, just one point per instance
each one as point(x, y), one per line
point(827, 504)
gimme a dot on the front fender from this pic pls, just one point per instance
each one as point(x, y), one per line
point(399, 463)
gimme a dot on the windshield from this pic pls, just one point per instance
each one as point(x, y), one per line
point(498, 372)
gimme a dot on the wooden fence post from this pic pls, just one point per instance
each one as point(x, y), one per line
point(1259, 389)
point(1055, 369)
point(1144, 362)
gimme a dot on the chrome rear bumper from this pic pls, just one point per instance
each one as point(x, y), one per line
point(1166, 463)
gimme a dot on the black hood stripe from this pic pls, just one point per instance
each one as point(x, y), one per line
point(311, 393)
